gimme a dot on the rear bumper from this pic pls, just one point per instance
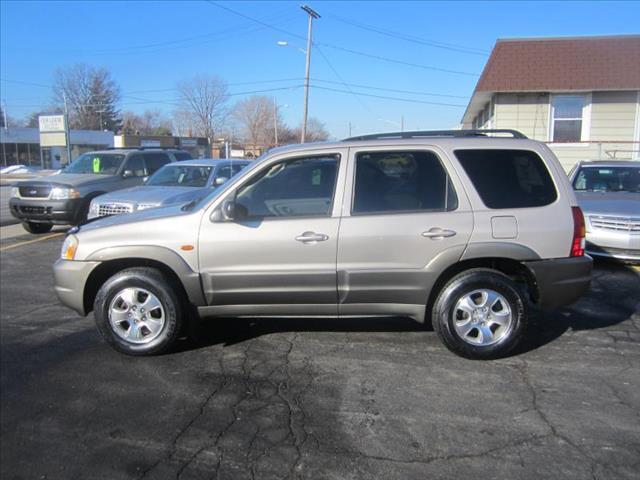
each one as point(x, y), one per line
point(70, 278)
point(560, 281)
point(59, 212)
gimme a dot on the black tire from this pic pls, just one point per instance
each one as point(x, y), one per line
point(83, 212)
point(156, 283)
point(445, 314)
point(36, 227)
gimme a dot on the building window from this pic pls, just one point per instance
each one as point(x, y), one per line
point(567, 118)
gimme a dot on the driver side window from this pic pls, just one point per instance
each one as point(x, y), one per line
point(298, 187)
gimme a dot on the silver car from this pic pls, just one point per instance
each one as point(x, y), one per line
point(455, 228)
point(609, 194)
point(177, 182)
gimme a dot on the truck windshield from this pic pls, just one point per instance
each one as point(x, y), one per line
point(180, 176)
point(608, 179)
point(104, 164)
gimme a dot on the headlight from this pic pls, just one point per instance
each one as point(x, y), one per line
point(94, 210)
point(143, 206)
point(15, 192)
point(64, 193)
point(69, 247)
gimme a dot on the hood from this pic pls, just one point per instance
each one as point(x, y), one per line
point(154, 195)
point(622, 204)
point(72, 179)
point(135, 217)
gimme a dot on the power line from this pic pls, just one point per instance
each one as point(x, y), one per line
point(395, 90)
point(344, 49)
point(411, 38)
point(409, 100)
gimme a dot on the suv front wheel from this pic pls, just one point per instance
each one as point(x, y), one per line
point(480, 314)
point(138, 313)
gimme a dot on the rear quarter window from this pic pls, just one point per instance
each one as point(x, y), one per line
point(508, 178)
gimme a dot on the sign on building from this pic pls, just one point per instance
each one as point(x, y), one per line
point(52, 131)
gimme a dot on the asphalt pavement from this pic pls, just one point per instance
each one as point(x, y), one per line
point(315, 399)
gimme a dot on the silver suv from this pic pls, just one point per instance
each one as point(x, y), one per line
point(460, 228)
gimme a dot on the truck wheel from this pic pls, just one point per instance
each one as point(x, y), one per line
point(138, 312)
point(35, 227)
point(480, 314)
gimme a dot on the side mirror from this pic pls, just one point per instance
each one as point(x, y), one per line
point(220, 181)
point(225, 212)
point(127, 174)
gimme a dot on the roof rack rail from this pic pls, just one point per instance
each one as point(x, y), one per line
point(439, 133)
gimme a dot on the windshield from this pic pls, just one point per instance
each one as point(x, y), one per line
point(608, 179)
point(104, 164)
point(180, 176)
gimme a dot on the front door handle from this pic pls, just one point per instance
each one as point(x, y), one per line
point(437, 233)
point(312, 237)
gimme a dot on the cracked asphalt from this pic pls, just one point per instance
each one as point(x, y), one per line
point(316, 399)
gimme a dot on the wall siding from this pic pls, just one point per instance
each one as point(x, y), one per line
point(613, 119)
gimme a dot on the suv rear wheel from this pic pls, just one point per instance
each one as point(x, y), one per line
point(138, 313)
point(480, 314)
point(36, 227)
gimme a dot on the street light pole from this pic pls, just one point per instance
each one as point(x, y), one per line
point(312, 14)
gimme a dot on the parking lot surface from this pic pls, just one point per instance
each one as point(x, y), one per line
point(315, 399)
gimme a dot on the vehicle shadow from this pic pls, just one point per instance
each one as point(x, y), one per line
point(612, 299)
point(614, 296)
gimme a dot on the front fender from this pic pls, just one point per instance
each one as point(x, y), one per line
point(190, 280)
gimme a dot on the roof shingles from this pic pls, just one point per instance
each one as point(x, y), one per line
point(585, 63)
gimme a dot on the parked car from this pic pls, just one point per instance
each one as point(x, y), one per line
point(609, 194)
point(64, 199)
point(457, 228)
point(178, 182)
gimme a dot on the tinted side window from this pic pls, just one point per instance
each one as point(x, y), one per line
point(401, 181)
point(291, 188)
point(182, 156)
point(155, 161)
point(135, 165)
point(508, 178)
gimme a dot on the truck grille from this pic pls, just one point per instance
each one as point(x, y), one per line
point(106, 209)
point(617, 224)
point(35, 191)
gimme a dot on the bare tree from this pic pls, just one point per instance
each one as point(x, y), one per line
point(91, 95)
point(149, 122)
point(316, 132)
point(258, 119)
point(203, 98)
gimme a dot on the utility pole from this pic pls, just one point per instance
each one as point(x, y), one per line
point(312, 14)
point(402, 123)
point(275, 121)
point(349, 128)
point(66, 127)
point(4, 151)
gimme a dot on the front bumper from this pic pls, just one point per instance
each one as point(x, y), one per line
point(70, 278)
point(57, 212)
point(560, 281)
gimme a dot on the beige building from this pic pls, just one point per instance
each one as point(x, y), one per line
point(579, 95)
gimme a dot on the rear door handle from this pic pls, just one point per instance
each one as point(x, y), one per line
point(437, 233)
point(312, 237)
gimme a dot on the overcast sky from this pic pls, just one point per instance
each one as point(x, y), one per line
point(425, 56)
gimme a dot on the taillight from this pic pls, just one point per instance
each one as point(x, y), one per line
point(579, 232)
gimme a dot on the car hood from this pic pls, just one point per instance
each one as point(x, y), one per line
point(154, 195)
point(622, 204)
point(71, 179)
point(135, 217)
